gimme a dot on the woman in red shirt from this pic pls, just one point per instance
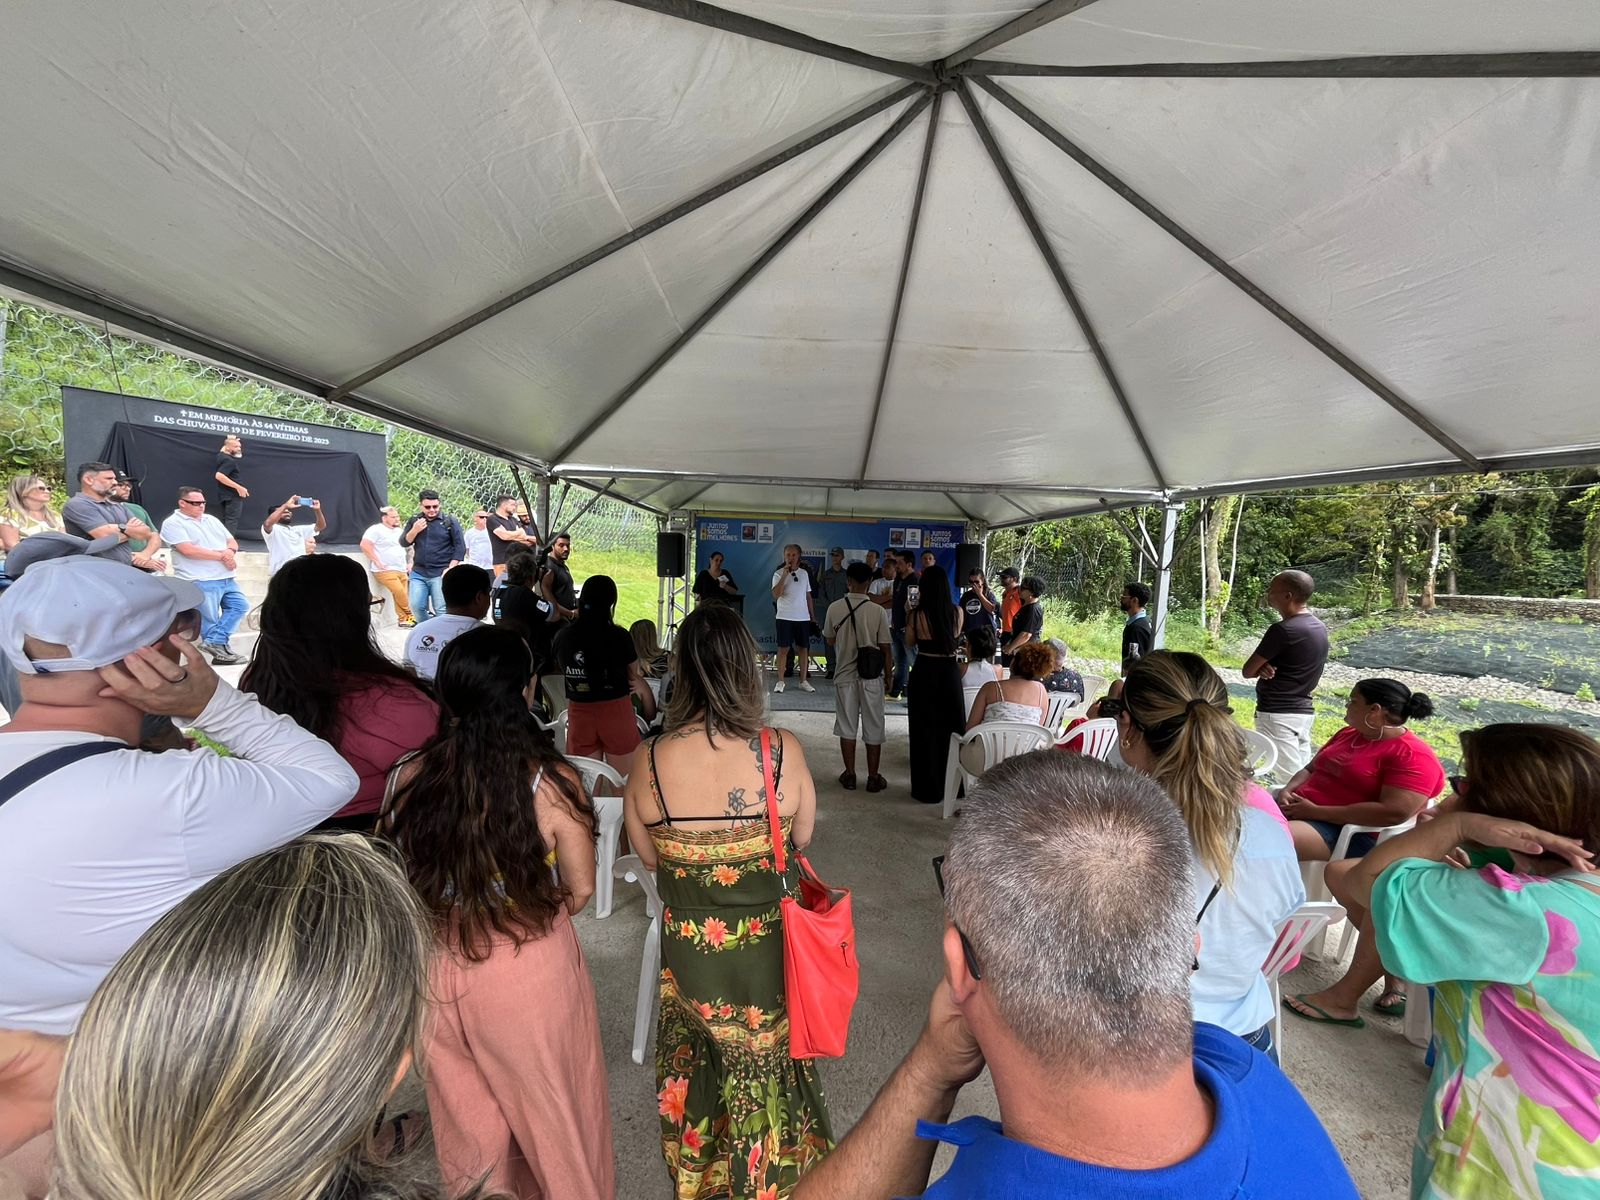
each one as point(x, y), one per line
point(1374, 771)
point(317, 662)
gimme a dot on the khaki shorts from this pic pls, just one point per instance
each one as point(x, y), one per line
point(859, 703)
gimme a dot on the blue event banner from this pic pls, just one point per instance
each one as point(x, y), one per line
point(752, 550)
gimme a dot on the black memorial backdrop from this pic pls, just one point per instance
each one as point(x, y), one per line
point(163, 460)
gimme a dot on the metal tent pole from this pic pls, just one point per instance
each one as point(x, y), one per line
point(1169, 540)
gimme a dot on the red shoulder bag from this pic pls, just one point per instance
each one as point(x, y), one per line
point(820, 971)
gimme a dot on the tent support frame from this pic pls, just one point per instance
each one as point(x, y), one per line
point(698, 201)
point(765, 31)
point(581, 471)
point(1050, 10)
point(709, 313)
point(900, 287)
point(1171, 511)
point(1047, 252)
point(1229, 272)
point(1535, 64)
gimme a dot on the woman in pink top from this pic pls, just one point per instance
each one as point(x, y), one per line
point(1374, 771)
point(316, 661)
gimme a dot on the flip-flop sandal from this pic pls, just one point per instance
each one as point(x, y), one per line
point(1391, 1008)
point(1322, 1017)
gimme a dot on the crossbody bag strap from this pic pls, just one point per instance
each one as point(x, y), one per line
point(778, 860)
point(48, 763)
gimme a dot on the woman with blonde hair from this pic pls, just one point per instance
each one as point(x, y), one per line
point(248, 1042)
point(1511, 946)
point(1176, 727)
point(26, 511)
point(739, 1117)
point(647, 644)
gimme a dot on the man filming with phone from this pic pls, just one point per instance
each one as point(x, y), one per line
point(791, 588)
point(286, 540)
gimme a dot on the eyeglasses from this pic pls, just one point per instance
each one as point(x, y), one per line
point(1458, 784)
point(375, 603)
point(967, 951)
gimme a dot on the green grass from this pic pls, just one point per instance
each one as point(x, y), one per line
point(635, 573)
point(1100, 636)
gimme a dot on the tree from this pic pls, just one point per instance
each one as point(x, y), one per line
point(1589, 505)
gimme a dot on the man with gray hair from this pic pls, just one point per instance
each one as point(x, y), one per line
point(1066, 961)
point(1287, 666)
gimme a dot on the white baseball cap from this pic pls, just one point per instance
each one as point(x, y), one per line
point(99, 609)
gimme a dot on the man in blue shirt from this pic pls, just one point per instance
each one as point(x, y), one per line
point(437, 543)
point(1066, 971)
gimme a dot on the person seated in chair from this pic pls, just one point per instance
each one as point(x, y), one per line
point(1022, 697)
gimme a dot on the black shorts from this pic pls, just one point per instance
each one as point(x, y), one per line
point(793, 633)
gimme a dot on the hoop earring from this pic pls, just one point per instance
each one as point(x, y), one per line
point(1366, 722)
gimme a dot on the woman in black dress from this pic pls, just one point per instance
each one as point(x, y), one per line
point(715, 583)
point(934, 703)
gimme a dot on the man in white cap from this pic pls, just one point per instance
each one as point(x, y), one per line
point(97, 839)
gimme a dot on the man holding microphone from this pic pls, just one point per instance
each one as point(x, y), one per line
point(791, 588)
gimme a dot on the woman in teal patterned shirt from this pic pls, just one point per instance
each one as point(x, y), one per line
point(1495, 902)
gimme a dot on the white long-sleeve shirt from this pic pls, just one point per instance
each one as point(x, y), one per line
point(94, 854)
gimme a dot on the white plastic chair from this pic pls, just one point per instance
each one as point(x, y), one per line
point(1314, 877)
point(1263, 752)
point(1419, 1013)
point(1094, 686)
point(970, 696)
point(1056, 714)
point(609, 811)
point(1294, 934)
point(1097, 737)
point(558, 732)
point(1001, 740)
point(630, 868)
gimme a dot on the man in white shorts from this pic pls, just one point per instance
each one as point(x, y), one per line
point(851, 622)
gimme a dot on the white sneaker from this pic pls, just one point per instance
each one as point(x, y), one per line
point(778, 687)
point(805, 686)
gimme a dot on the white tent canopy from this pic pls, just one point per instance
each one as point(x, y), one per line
point(941, 258)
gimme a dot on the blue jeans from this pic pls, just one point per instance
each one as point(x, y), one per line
point(426, 596)
point(903, 658)
point(222, 607)
point(1261, 1039)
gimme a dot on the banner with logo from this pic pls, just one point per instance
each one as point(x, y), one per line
point(752, 550)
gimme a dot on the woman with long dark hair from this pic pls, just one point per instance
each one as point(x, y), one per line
point(935, 706)
point(317, 662)
point(482, 813)
point(740, 1119)
point(603, 677)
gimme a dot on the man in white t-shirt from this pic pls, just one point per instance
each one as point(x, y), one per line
point(204, 552)
point(99, 839)
point(286, 541)
point(386, 556)
point(466, 604)
point(791, 588)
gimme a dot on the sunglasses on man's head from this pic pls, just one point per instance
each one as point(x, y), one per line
point(967, 951)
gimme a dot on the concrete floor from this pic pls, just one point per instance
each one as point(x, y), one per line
point(1366, 1085)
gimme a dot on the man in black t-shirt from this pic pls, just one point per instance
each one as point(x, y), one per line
point(1287, 666)
point(1028, 625)
point(1138, 635)
point(231, 494)
point(555, 581)
point(507, 529)
point(978, 605)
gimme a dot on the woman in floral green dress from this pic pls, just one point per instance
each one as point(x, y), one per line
point(739, 1117)
point(1495, 903)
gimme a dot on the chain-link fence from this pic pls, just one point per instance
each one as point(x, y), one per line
point(42, 351)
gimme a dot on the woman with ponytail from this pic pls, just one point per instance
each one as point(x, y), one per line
point(604, 677)
point(498, 840)
point(1177, 728)
point(1374, 771)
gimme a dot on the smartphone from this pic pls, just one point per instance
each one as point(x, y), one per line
point(913, 595)
point(307, 501)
